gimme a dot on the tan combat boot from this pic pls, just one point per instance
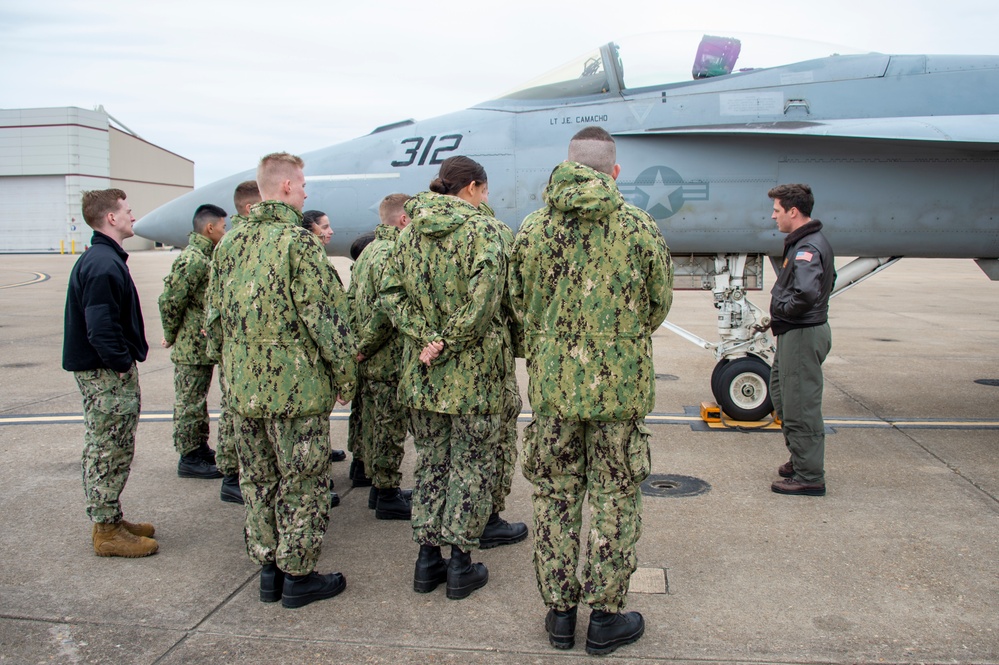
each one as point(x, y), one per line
point(139, 528)
point(113, 539)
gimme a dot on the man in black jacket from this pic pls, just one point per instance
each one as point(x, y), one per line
point(799, 312)
point(104, 339)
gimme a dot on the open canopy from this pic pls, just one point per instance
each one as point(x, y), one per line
point(669, 58)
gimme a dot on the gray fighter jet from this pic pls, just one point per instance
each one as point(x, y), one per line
point(902, 152)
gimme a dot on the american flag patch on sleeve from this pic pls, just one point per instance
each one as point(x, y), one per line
point(803, 256)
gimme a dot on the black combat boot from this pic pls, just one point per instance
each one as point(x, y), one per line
point(205, 452)
point(356, 474)
point(500, 532)
point(463, 576)
point(610, 630)
point(195, 466)
point(431, 569)
point(338, 455)
point(561, 627)
point(230, 490)
point(271, 583)
point(373, 497)
point(300, 590)
point(393, 505)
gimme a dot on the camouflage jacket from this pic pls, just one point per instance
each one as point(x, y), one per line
point(513, 335)
point(182, 303)
point(444, 281)
point(376, 337)
point(279, 316)
point(236, 220)
point(591, 280)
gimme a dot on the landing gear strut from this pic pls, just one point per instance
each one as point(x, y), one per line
point(740, 381)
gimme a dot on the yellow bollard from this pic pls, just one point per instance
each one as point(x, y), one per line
point(72, 246)
point(62, 246)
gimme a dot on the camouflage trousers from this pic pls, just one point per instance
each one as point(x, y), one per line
point(565, 460)
point(110, 416)
point(190, 406)
point(285, 481)
point(455, 459)
point(225, 451)
point(191, 384)
point(355, 435)
point(384, 425)
point(506, 451)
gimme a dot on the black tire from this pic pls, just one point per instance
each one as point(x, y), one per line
point(716, 390)
point(744, 389)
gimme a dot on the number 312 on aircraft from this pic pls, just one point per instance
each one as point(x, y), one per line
point(447, 143)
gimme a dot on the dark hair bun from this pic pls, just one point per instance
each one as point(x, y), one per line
point(437, 185)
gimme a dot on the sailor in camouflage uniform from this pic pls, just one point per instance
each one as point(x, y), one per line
point(244, 196)
point(443, 288)
point(276, 305)
point(182, 313)
point(497, 530)
point(383, 423)
point(591, 280)
point(355, 443)
point(104, 339)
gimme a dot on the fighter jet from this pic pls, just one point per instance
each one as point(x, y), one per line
point(902, 152)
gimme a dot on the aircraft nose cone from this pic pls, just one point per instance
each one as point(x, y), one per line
point(164, 224)
point(170, 224)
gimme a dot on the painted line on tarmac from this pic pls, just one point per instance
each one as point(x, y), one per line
point(525, 416)
point(36, 277)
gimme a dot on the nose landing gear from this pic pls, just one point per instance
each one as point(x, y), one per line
point(741, 387)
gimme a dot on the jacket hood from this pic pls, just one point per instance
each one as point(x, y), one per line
point(582, 192)
point(275, 211)
point(437, 214)
point(201, 243)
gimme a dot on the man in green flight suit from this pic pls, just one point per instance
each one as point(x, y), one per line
point(279, 316)
point(182, 313)
point(590, 281)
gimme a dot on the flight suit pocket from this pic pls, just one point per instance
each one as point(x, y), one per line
point(639, 456)
point(528, 458)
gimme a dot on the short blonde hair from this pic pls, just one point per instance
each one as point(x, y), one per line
point(274, 169)
point(391, 206)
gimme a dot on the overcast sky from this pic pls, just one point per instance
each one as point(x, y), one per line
point(223, 83)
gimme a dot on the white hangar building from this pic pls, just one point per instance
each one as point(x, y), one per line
point(49, 155)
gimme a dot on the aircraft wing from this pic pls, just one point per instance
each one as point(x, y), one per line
point(979, 130)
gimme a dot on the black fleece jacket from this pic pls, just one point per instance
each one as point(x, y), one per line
point(103, 324)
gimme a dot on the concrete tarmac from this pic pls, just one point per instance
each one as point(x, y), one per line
point(896, 564)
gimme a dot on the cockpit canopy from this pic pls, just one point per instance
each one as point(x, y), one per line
point(669, 58)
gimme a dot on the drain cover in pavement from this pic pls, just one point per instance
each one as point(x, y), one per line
point(674, 486)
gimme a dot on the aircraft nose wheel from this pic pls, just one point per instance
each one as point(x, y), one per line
point(742, 388)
